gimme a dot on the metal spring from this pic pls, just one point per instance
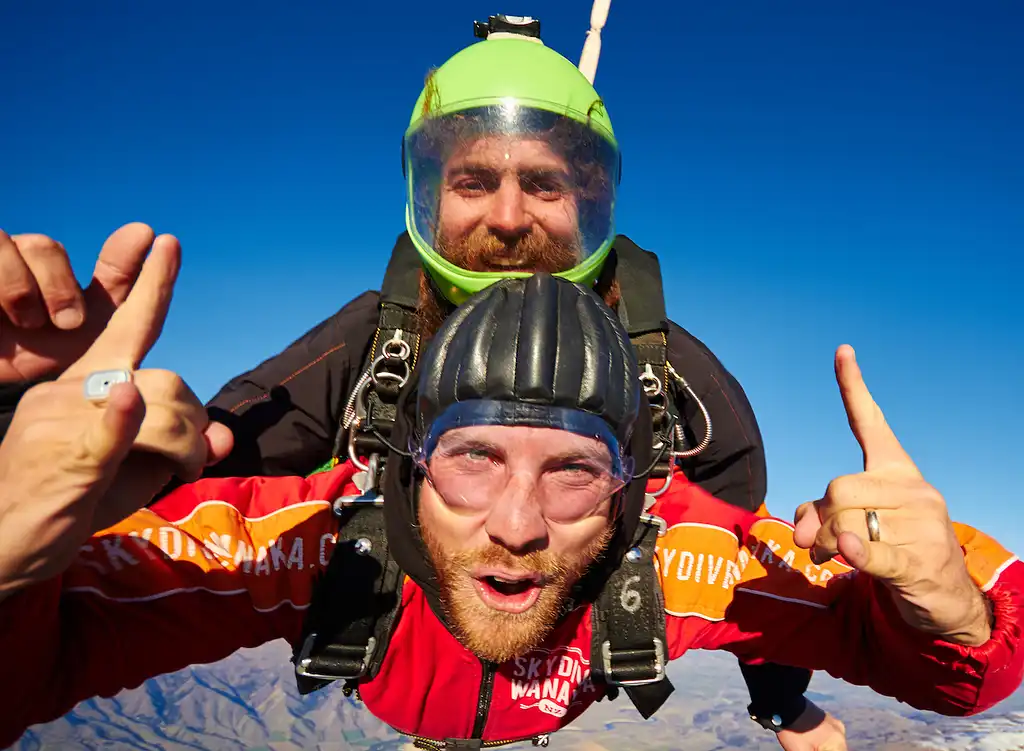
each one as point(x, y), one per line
point(678, 428)
point(350, 408)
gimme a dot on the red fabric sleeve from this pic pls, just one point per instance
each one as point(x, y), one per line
point(766, 602)
point(216, 566)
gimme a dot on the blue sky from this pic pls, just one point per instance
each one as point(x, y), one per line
point(809, 173)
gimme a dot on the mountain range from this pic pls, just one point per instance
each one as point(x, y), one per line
point(249, 702)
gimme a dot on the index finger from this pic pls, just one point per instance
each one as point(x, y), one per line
point(136, 324)
point(880, 445)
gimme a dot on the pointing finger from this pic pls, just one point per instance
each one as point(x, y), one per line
point(136, 325)
point(880, 446)
point(120, 261)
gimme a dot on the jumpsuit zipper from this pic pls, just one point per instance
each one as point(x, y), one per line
point(483, 702)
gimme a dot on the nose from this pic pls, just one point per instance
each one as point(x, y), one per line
point(508, 218)
point(516, 521)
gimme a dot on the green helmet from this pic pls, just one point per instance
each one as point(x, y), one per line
point(513, 88)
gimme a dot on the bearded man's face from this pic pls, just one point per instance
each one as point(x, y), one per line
point(512, 517)
point(508, 204)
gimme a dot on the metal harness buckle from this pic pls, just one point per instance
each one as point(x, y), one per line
point(304, 660)
point(659, 665)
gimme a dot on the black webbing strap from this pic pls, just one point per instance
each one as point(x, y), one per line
point(628, 621)
point(642, 311)
point(398, 299)
point(390, 371)
point(401, 285)
point(347, 628)
point(652, 357)
point(642, 297)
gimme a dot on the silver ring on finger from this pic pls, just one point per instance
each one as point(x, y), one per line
point(874, 531)
point(98, 384)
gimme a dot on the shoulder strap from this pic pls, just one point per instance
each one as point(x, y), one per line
point(642, 302)
point(628, 624)
point(348, 626)
point(642, 312)
point(401, 284)
point(370, 415)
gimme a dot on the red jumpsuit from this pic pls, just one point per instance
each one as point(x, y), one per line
point(229, 563)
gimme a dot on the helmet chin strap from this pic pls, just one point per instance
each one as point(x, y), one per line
point(592, 44)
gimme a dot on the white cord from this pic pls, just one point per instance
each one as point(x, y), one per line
point(592, 44)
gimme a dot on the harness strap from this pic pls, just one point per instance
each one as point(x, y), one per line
point(401, 285)
point(391, 358)
point(642, 311)
point(642, 302)
point(391, 362)
point(628, 623)
point(652, 357)
point(349, 623)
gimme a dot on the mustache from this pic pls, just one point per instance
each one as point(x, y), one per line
point(535, 562)
point(552, 567)
point(537, 251)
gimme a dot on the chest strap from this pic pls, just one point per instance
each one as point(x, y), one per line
point(349, 623)
point(628, 624)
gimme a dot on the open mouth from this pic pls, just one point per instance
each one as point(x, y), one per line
point(511, 593)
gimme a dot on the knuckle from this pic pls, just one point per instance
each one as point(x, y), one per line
point(59, 399)
point(843, 489)
point(32, 242)
point(59, 296)
point(78, 454)
point(17, 291)
point(932, 498)
point(163, 430)
point(41, 393)
point(176, 427)
point(157, 385)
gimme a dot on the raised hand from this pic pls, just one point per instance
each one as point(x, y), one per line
point(46, 320)
point(915, 552)
point(70, 465)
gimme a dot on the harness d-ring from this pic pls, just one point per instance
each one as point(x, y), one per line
point(660, 491)
point(353, 457)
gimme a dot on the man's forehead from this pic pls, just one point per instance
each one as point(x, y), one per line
point(504, 152)
point(540, 443)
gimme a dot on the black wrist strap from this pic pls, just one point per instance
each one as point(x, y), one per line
point(776, 693)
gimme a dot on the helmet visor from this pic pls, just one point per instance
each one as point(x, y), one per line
point(509, 188)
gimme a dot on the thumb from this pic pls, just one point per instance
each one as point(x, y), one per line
point(108, 439)
point(806, 524)
point(878, 559)
point(219, 442)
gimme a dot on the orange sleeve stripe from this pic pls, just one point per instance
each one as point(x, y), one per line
point(214, 549)
point(702, 566)
point(986, 559)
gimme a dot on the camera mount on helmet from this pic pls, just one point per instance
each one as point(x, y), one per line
point(525, 26)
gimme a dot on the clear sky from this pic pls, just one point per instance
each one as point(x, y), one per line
point(810, 174)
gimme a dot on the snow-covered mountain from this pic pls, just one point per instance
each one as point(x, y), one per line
point(249, 701)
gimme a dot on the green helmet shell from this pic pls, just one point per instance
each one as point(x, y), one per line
point(500, 70)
